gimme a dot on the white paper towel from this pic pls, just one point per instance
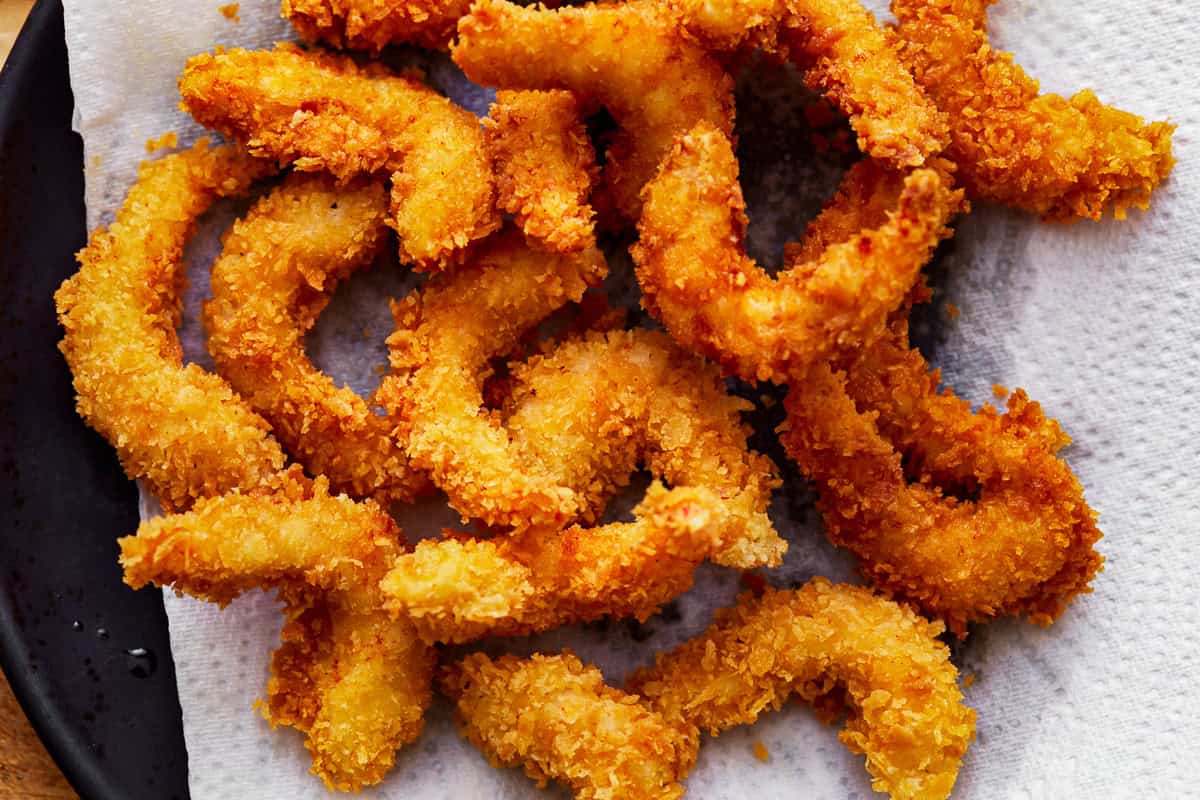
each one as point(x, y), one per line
point(1098, 321)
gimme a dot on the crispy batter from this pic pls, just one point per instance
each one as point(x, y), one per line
point(905, 709)
point(1024, 546)
point(555, 717)
point(545, 166)
point(627, 56)
point(278, 270)
point(179, 428)
point(1059, 157)
point(461, 589)
point(319, 111)
point(597, 406)
point(446, 335)
point(697, 278)
point(353, 678)
point(579, 421)
point(374, 24)
point(845, 54)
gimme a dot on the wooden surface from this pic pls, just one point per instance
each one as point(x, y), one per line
point(26, 771)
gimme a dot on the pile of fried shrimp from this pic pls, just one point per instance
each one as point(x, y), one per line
point(272, 476)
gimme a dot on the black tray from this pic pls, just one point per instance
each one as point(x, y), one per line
point(68, 625)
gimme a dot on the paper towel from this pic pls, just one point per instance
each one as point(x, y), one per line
point(1097, 321)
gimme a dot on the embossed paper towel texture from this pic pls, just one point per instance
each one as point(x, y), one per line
point(1098, 321)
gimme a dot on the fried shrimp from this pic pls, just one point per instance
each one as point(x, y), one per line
point(446, 336)
point(554, 717)
point(278, 271)
point(545, 166)
point(845, 54)
point(697, 279)
point(319, 111)
point(905, 710)
point(1059, 157)
point(351, 676)
point(461, 589)
point(179, 428)
point(374, 24)
point(599, 405)
point(628, 56)
point(1022, 539)
point(579, 421)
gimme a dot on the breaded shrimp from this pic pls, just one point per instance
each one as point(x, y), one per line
point(461, 589)
point(319, 111)
point(555, 717)
point(351, 676)
point(179, 428)
point(1058, 157)
point(597, 406)
point(1022, 542)
point(446, 335)
point(545, 166)
point(278, 270)
point(629, 56)
point(374, 24)
point(845, 54)
point(906, 713)
point(697, 279)
point(579, 420)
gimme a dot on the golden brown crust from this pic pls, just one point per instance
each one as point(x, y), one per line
point(179, 428)
point(697, 279)
point(628, 57)
point(279, 268)
point(579, 420)
point(460, 589)
point(318, 111)
point(905, 709)
point(348, 674)
point(1062, 158)
point(554, 717)
point(1025, 546)
point(845, 54)
point(372, 25)
point(545, 166)
point(446, 335)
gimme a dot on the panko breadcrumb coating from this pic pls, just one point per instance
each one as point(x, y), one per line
point(545, 166)
point(277, 272)
point(697, 279)
point(554, 717)
point(374, 24)
point(629, 57)
point(845, 54)
point(597, 406)
point(889, 452)
point(1059, 157)
point(905, 710)
point(179, 428)
point(446, 335)
point(318, 111)
point(461, 589)
point(351, 676)
point(579, 420)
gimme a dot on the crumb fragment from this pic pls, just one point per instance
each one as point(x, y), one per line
point(999, 391)
point(951, 310)
point(754, 582)
point(968, 680)
point(230, 11)
point(168, 141)
point(760, 750)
